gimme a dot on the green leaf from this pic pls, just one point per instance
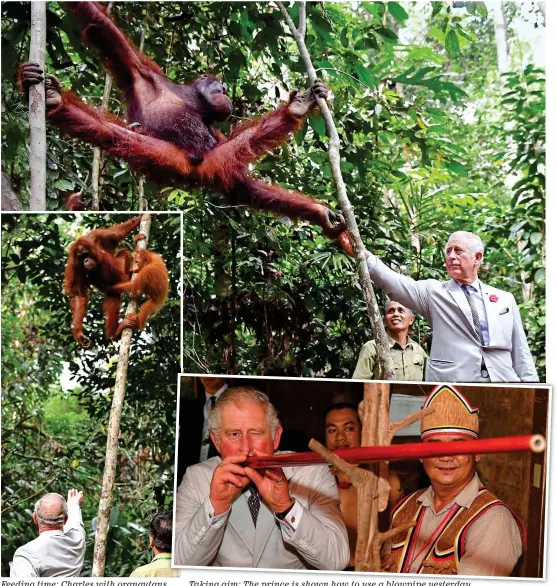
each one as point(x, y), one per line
point(397, 11)
point(436, 7)
point(457, 168)
point(366, 43)
point(323, 33)
point(387, 33)
point(344, 38)
point(482, 9)
point(539, 276)
point(64, 185)
point(364, 75)
point(318, 124)
point(536, 238)
point(452, 44)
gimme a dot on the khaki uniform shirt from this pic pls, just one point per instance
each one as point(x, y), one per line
point(158, 568)
point(493, 543)
point(410, 362)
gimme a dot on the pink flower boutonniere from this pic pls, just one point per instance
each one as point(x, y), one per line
point(493, 298)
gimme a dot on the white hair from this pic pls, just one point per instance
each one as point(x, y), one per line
point(239, 395)
point(474, 241)
point(50, 521)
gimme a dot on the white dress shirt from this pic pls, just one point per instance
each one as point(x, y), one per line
point(58, 553)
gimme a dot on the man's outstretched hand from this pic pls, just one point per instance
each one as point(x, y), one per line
point(75, 496)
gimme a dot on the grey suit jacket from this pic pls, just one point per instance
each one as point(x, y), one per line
point(456, 354)
point(320, 540)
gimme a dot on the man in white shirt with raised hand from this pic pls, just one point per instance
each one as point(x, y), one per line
point(59, 550)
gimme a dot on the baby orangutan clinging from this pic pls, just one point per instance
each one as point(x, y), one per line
point(151, 280)
point(96, 261)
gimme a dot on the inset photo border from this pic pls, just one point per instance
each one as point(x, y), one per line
point(498, 529)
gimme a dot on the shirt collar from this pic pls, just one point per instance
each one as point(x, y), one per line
point(163, 556)
point(217, 394)
point(392, 341)
point(476, 285)
point(464, 498)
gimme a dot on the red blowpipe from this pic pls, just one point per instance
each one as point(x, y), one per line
point(519, 443)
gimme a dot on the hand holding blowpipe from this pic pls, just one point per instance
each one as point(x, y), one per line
point(519, 443)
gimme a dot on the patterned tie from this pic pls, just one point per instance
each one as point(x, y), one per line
point(475, 318)
point(253, 503)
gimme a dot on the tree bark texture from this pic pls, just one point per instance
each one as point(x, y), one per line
point(37, 111)
point(97, 153)
point(10, 201)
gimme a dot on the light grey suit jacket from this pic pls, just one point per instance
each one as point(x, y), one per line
point(320, 540)
point(456, 354)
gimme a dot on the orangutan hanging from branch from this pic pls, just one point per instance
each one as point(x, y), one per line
point(169, 134)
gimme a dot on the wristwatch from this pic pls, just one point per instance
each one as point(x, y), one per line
point(281, 516)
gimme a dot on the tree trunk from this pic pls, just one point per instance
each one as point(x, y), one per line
point(97, 153)
point(143, 203)
point(501, 36)
point(10, 201)
point(111, 457)
point(37, 111)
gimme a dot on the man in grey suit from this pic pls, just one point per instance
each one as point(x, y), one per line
point(477, 329)
point(234, 516)
point(59, 550)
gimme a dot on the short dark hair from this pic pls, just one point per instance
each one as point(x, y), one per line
point(160, 528)
point(339, 406)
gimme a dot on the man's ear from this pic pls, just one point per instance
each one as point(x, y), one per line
point(412, 319)
point(215, 441)
point(35, 519)
point(477, 458)
point(278, 434)
point(479, 256)
point(151, 541)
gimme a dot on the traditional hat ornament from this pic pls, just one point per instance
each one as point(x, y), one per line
point(453, 414)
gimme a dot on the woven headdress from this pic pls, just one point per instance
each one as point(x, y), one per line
point(453, 414)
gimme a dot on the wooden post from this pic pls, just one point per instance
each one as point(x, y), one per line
point(371, 483)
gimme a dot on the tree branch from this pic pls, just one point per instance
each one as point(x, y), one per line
point(375, 317)
point(111, 457)
point(408, 420)
point(37, 111)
